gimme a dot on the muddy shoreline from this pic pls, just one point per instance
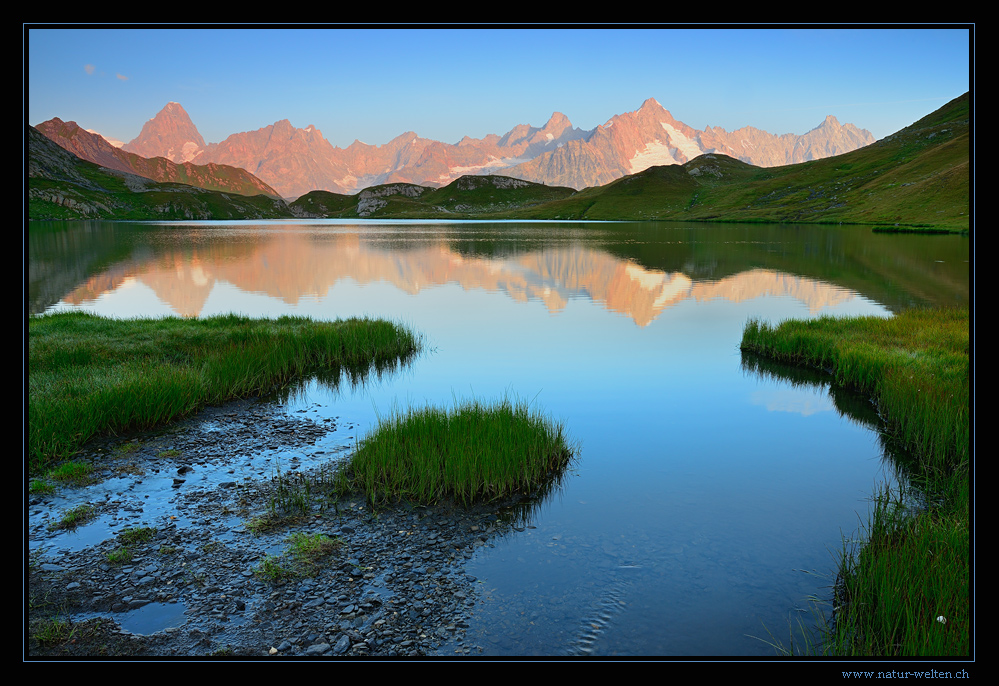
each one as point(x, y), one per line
point(393, 585)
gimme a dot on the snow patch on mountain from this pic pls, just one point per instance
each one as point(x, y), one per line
point(189, 150)
point(680, 149)
point(688, 147)
point(654, 154)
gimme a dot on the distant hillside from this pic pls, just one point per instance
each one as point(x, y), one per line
point(93, 148)
point(63, 186)
point(465, 197)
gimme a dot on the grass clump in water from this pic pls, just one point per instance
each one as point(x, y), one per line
point(91, 376)
point(140, 534)
point(472, 453)
point(74, 517)
point(120, 556)
point(906, 592)
point(274, 569)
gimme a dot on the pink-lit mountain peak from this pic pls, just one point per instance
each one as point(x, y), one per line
point(170, 134)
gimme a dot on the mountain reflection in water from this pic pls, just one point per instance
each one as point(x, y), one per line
point(706, 482)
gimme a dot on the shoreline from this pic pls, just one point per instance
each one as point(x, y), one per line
point(906, 590)
point(396, 585)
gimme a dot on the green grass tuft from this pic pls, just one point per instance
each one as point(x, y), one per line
point(74, 517)
point(138, 535)
point(120, 556)
point(75, 473)
point(304, 558)
point(469, 454)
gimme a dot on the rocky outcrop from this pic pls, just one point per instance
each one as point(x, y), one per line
point(371, 199)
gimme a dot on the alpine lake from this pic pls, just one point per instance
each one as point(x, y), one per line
point(711, 494)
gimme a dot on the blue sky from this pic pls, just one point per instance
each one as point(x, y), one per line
point(373, 83)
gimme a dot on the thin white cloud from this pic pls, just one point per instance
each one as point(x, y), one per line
point(89, 68)
point(121, 77)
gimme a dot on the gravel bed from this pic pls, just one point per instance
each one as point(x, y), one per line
point(217, 574)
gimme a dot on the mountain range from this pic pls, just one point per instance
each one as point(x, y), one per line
point(918, 177)
point(294, 161)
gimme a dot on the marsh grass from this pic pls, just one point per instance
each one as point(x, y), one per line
point(120, 556)
point(471, 453)
point(131, 536)
point(290, 496)
point(90, 376)
point(274, 569)
point(906, 590)
point(309, 551)
point(39, 487)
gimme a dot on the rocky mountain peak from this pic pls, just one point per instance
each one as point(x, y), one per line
point(556, 124)
point(651, 104)
point(557, 120)
point(283, 128)
point(170, 134)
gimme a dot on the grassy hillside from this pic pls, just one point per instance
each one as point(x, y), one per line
point(61, 186)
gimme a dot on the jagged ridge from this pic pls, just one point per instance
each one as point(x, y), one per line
point(295, 161)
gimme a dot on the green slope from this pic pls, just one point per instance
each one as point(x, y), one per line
point(61, 186)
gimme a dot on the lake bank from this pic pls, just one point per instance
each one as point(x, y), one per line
point(907, 590)
point(89, 375)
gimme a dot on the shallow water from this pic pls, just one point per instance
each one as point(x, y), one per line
point(709, 499)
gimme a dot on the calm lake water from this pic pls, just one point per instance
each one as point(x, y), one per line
point(710, 497)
